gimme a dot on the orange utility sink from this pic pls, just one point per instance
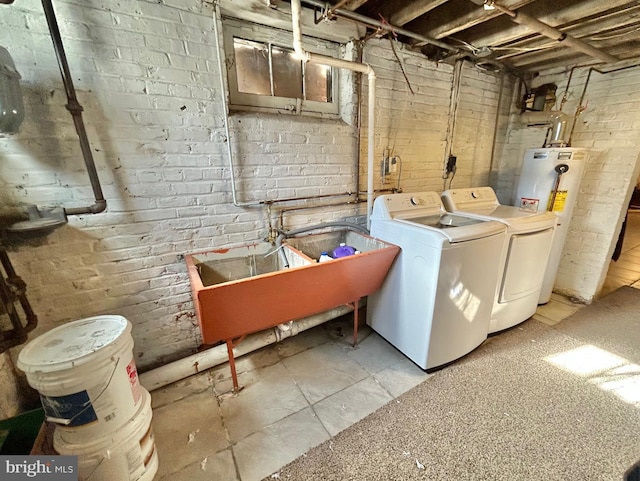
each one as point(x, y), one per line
point(246, 289)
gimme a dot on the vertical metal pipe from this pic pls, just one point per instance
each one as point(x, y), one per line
point(453, 112)
point(495, 128)
point(74, 107)
point(225, 112)
point(11, 289)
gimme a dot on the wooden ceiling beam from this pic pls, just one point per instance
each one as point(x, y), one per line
point(527, 60)
point(460, 17)
point(551, 12)
point(350, 4)
point(588, 31)
point(627, 55)
point(413, 10)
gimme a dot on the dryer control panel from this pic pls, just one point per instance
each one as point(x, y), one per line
point(472, 198)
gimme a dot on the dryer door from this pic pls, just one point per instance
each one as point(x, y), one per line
point(525, 264)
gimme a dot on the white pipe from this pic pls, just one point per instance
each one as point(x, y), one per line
point(370, 145)
point(225, 110)
point(348, 65)
point(188, 366)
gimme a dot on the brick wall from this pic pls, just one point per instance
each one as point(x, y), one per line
point(146, 74)
point(414, 126)
point(610, 125)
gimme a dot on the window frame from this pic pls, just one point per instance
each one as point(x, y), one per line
point(239, 101)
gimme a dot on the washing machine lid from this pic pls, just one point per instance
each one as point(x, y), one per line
point(440, 221)
point(455, 228)
point(424, 210)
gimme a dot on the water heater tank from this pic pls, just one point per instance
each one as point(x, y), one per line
point(11, 106)
point(550, 181)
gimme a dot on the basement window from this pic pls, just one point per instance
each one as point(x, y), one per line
point(265, 74)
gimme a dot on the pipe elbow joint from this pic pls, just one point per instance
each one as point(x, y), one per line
point(301, 53)
point(99, 206)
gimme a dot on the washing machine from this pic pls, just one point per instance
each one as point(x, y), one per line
point(435, 303)
point(524, 255)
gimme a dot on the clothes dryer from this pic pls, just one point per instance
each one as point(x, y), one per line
point(435, 303)
point(524, 255)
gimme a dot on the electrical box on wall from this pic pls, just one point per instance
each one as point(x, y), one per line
point(393, 165)
point(389, 165)
point(11, 106)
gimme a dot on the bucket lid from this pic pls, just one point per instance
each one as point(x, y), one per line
point(72, 344)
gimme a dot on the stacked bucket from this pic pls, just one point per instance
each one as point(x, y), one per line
point(86, 375)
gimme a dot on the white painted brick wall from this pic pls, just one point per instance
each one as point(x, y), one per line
point(611, 126)
point(146, 74)
point(415, 126)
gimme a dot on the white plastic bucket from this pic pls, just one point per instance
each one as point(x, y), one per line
point(128, 454)
point(86, 375)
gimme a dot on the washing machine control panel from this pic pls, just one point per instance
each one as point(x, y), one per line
point(423, 202)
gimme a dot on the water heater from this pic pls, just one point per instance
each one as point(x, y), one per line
point(550, 181)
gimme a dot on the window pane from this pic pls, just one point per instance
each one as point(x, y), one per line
point(287, 73)
point(252, 67)
point(317, 82)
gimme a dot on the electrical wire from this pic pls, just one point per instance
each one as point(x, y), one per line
point(404, 73)
point(453, 174)
point(615, 35)
point(482, 51)
point(473, 48)
point(526, 49)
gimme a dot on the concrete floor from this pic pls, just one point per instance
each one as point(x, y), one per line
point(297, 394)
point(302, 392)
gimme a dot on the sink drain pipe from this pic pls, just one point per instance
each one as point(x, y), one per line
point(196, 363)
point(355, 67)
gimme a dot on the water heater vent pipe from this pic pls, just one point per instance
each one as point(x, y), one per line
point(557, 122)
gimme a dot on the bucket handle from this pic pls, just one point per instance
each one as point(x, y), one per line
point(88, 478)
point(87, 405)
